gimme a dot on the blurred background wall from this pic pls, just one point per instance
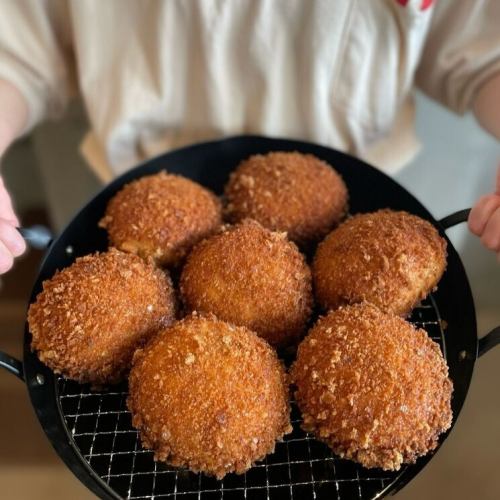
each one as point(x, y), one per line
point(457, 164)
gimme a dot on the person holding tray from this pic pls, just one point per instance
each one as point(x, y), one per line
point(161, 75)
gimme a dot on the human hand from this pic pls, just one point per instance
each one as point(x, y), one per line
point(12, 244)
point(13, 117)
point(484, 218)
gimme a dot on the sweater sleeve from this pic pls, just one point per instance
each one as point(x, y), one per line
point(35, 55)
point(462, 51)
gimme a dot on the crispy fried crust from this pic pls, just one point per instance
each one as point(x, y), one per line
point(373, 387)
point(91, 316)
point(161, 216)
point(391, 259)
point(252, 277)
point(209, 396)
point(291, 192)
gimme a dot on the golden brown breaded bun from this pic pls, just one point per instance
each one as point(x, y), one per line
point(161, 216)
point(292, 192)
point(209, 396)
point(372, 387)
point(91, 316)
point(253, 277)
point(391, 259)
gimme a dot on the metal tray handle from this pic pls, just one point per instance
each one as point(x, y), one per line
point(455, 218)
point(489, 341)
point(11, 364)
point(38, 237)
point(492, 338)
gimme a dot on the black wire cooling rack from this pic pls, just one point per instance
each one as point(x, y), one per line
point(300, 468)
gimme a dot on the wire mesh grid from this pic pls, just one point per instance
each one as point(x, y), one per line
point(300, 468)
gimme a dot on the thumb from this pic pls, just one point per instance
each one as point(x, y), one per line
point(6, 209)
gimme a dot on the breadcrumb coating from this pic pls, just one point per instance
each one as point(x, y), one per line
point(391, 259)
point(209, 396)
point(372, 386)
point(292, 192)
point(252, 277)
point(91, 316)
point(161, 216)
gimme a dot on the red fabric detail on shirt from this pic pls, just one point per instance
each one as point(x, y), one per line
point(425, 3)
